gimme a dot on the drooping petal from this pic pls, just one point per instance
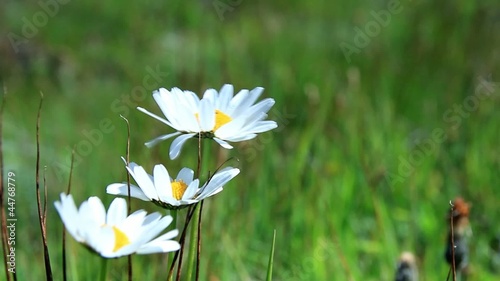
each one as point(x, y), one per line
point(175, 147)
point(155, 116)
point(223, 143)
point(161, 138)
point(122, 190)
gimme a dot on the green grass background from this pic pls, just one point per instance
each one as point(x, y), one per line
point(320, 179)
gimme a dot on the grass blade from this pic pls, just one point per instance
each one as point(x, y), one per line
point(271, 259)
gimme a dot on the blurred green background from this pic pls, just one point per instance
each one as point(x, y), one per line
point(371, 145)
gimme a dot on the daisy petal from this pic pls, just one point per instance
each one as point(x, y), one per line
point(217, 181)
point(143, 180)
point(117, 211)
point(162, 182)
point(121, 189)
point(191, 190)
point(68, 212)
point(207, 116)
point(242, 137)
point(223, 143)
point(186, 175)
point(161, 138)
point(159, 247)
point(175, 147)
point(225, 96)
point(155, 116)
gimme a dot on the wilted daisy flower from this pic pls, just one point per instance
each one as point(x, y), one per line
point(114, 234)
point(218, 116)
point(170, 193)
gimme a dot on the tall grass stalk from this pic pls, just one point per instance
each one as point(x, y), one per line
point(42, 208)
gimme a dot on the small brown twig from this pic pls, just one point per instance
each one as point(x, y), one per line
point(41, 211)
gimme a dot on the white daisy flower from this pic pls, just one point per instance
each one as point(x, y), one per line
point(218, 115)
point(114, 234)
point(170, 193)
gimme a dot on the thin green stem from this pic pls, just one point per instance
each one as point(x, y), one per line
point(173, 213)
point(171, 256)
point(271, 259)
point(178, 254)
point(193, 245)
point(104, 269)
point(129, 204)
point(195, 238)
point(198, 249)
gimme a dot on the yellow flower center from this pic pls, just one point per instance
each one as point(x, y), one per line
point(121, 239)
point(178, 189)
point(220, 119)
